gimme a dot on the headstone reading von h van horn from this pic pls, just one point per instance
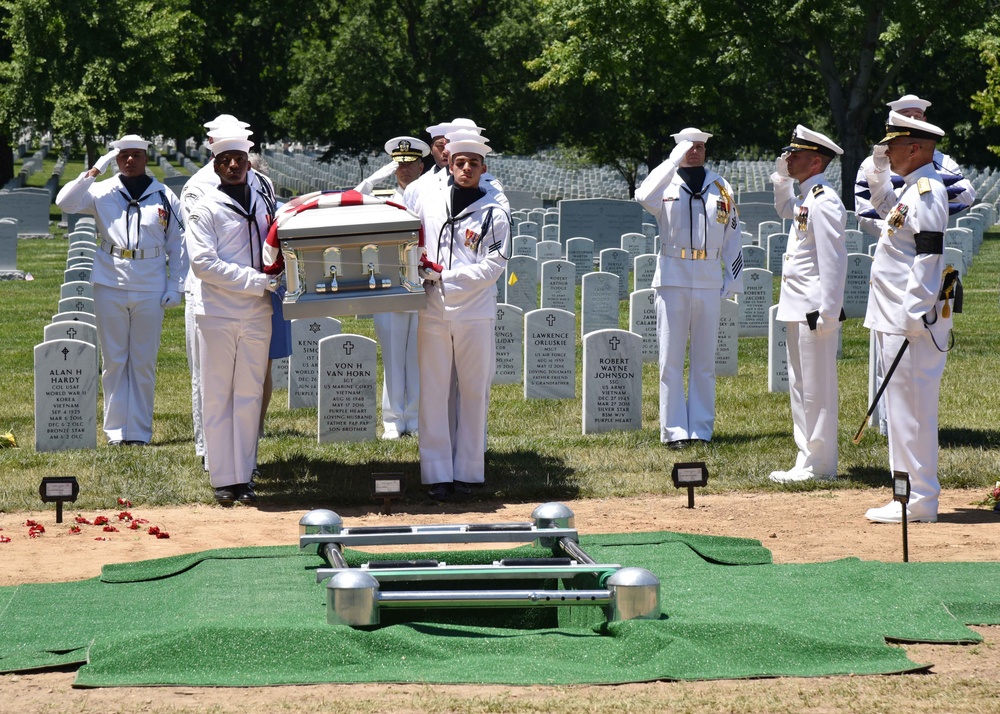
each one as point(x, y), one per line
point(642, 321)
point(599, 302)
point(549, 354)
point(65, 395)
point(303, 365)
point(612, 381)
point(521, 279)
point(347, 367)
point(508, 336)
point(755, 301)
point(558, 285)
point(777, 353)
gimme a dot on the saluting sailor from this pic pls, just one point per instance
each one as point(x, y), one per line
point(467, 239)
point(907, 311)
point(812, 297)
point(961, 194)
point(700, 264)
point(396, 332)
point(138, 271)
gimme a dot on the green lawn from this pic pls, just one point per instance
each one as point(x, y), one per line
point(536, 449)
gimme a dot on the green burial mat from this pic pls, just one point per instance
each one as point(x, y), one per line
point(257, 616)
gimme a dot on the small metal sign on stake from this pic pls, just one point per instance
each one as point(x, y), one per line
point(901, 493)
point(385, 487)
point(59, 489)
point(689, 475)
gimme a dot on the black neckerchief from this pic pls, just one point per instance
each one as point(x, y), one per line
point(135, 185)
point(462, 198)
point(694, 177)
point(238, 192)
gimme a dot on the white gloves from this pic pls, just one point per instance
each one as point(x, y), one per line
point(677, 155)
point(170, 298)
point(780, 176)
point(880, 157)
point(878, 176)
point(383, 173)
point(429, 270)
point(823, 326)
point(102, 163)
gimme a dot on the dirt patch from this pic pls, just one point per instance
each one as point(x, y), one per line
point(797, 528)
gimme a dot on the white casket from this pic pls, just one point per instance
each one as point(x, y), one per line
point(347, 256)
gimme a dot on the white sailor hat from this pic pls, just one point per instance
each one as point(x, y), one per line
point(231, 143)
point(130, 141)
point(459, 124)
point(467, 142)
point(808, 140)
point(231, 131)
point(909, 101)
point(691, 134)
point(225, 120)
point(898, 125)
point(406, 149)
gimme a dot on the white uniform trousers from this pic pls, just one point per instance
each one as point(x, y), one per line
point(128, 327)
point(912, 409)
point(233, 363)
point(682, 313)
point(451, 451)
point(396, 333)
point(812, 385)
point(194, 366)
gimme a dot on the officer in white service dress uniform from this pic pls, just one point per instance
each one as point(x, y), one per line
point(467, 241)
point(812, 297)
point(700, 264)
point(140, 227)
point(396, 332)
point(909, 307)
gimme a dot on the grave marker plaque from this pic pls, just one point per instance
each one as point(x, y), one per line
point(612, 381)
point(549, 354)
point(346, 389)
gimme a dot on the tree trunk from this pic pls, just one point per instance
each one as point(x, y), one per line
point(6, 160)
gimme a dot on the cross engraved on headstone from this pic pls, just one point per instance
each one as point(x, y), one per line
point(857, 262)
point(558, 270)
point(614, 342)
point(348, 346)
point(550, 319)
point(652, 298)
point(71, 333)
point(79, 306)
point(499, 314)
point(65, 353)
point(80, 290)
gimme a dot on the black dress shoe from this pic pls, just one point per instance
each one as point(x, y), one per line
point(226, 494)
point(116, 442)
point(440, 492)
point(245, 493)
point(462, 489)
point(136, 443)
point(677, 444)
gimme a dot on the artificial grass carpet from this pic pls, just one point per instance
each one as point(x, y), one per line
point(256, 616)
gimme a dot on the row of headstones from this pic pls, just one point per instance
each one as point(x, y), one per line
point(336, 373)
point(67, 362)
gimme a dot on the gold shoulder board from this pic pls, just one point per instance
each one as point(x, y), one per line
point(923, 185)
point(817, 190)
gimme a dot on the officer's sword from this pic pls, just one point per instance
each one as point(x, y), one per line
point(878, 394)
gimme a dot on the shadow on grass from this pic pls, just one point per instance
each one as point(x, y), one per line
point(980, 438)
point(969, 516)
point(876, 476)
point(301, 482)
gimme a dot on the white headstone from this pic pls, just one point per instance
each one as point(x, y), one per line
point(650, 230)
point(756, 299)
point(508, 335)
point(777, 353)
point(558, 285)
point(547, 250)
point(77, 304)
point(603, 220)
point(77, 275)
point(529, 228)
point(728, 345)
point(580, 252)
point(279, 373)
point(599, 302)
point(347, 367)
point(855, 241)
point(65, 395)
point(776, 244)
point(523, 245)
point(766, 228)
point(636, 244)
point(859, 271)
point(963, 239)
point(75, 316)
point(754, 257)
point(303, 365)
point(612, 381)
point(549, 354)
point(746, 238)
point(643, 270)
point(953, 257)
point(617, 261)
point(642, 321)
point(550, 231)
point(8, 245)
point(522, 282)
point(76, 288)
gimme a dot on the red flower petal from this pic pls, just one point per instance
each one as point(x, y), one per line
point(4, 539)
point(124, 516)
point(110, 529)
point(123, 502)
point(134, 526)
point(81, 519)
point(153, 530)
point(101, 521)
point(162, 534)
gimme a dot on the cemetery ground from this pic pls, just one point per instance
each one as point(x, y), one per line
point(617, 482)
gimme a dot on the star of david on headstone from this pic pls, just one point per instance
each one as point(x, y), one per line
point(614, 342)
point(755, 277)
point(348, 346)
point(315, 327)
point(551, 319)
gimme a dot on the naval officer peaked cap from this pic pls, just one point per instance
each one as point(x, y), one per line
point(898, 125)
point(691, 134)
point(406, 149)
point(808, 140)
point(130, 141)
point(909, 101)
